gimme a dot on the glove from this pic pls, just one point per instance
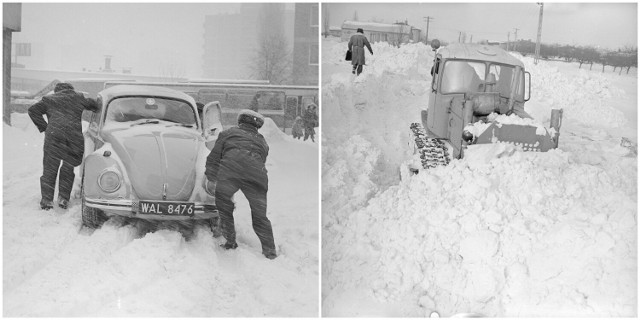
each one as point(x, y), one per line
point(209, 187)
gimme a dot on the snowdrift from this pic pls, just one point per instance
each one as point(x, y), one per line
point(499, 233)
point(52, 268)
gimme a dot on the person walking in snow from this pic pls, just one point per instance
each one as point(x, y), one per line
point(237, 162)
point(297, 129)
point(63, 140)
point(357, 42)
point(310, 118)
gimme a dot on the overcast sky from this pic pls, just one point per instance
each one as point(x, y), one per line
point(604, 24)
point(146, 37)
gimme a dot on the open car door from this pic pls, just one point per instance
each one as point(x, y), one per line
point(211, 122)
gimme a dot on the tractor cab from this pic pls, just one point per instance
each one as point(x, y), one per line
point(474, 83)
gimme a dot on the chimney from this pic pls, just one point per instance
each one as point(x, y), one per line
point(107, 63)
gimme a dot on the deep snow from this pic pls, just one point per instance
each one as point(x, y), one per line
point(499, 233)
point(51, 268)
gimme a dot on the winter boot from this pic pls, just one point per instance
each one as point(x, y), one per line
point(63, 203)
point(46, 204)
point(270, 254)
point(229, 245)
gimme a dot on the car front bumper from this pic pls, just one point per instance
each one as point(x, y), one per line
point(130, 208)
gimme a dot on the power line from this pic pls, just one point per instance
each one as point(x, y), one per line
point(535, 60)
point(426, 38)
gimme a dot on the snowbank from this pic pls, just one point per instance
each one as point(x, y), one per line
point(586, 97)
point(499, 233)
point(53, 269)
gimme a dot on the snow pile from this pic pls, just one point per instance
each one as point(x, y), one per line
point(52, 268)
point(586, 98)
point(500, 233)
point(479, 127)
point(272, 133)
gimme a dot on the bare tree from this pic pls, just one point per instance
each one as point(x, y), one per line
point(272, 60)
point(172, 70)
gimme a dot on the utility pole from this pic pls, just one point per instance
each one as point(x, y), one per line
point(535, 60)
point(459, 36)
point(515, 41)
point(508, 39)
point(426, 37)
point(471, 40)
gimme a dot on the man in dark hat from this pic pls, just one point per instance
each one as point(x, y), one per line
point(63, 140)
point(356, 45)
point(237, 162)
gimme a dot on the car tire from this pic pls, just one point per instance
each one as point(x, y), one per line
point(91, 217)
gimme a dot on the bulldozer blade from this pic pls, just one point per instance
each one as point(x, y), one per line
point(519, 135)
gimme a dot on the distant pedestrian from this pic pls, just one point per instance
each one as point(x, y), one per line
point(237, 162)
point(356, 45)
point(310, 118)
point(298, 126)
point(63, 140)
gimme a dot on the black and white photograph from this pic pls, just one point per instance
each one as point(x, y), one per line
point(479, 159)
point(161, 160)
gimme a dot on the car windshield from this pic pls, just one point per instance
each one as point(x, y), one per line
point(141, 110)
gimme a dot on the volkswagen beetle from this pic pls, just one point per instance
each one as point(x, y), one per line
point(145, 154)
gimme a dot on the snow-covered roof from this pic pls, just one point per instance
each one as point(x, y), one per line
point(478, 52)
point(377, 27)
point(137, 90)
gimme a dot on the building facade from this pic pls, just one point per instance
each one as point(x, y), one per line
point(395, 34)
point(306, 49)
point(224, 53)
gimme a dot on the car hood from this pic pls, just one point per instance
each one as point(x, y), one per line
point(161, 164)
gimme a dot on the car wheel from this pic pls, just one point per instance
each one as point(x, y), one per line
point(91, 217)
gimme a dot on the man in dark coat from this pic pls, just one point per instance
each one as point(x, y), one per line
point(63, 140)
point(310, 118)
point(357, 42)
point(237, 162)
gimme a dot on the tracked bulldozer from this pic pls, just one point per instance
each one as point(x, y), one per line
point(477, 96)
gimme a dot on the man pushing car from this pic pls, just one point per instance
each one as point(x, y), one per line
point(237, 162)
point(63, 140)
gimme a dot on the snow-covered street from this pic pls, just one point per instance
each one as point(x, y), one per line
point(52, 268)
point(523, 235)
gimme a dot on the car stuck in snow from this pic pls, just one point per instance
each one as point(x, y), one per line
point(145, 153)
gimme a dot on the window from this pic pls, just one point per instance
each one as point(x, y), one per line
point(314, 15)
point(271, 100)
point(461, 76)
point(500, 79)
point(313, 54)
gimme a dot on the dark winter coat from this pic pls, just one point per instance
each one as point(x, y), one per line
point(310, 118)
point(239, 153)
point(63, 127)
point(356, 44)
point(297, 129)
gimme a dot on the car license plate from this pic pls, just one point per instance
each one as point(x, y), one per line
point(167, 208)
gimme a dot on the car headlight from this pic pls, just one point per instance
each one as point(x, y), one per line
point(109, 181)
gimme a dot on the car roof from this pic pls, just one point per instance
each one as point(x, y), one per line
point(478, 52)
point(137, 90)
